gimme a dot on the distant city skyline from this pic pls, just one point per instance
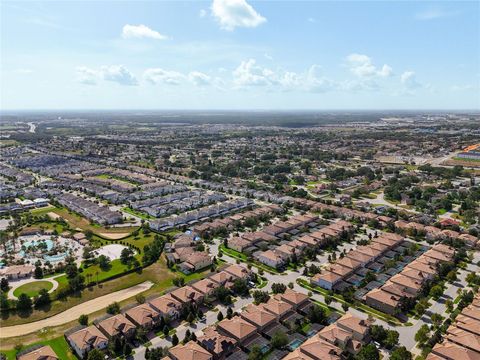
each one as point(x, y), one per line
point(234, 54)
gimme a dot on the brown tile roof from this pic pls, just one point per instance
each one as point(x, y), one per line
point(42, 353)
point(87, 337)
point(319, 349)
point(277, 306)
point(238, 271)
point(117, 324)
point(294, 297)
point(205, 286)
point(451, 351)
point(221, 277)
point(463, 338)
point(349, 263)
point(257, 315)
point(215, 342)
point(165, 303)
point(190, 351)
point(186, 294)
point(353, 323)
point(237, 327)
point(384, 297)
point(142, 314)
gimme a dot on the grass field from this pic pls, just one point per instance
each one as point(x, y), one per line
point(140, 214)
point(32, 289)
point(58, 344)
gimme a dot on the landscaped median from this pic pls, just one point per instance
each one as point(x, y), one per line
point(360, 307)
point(242, 257)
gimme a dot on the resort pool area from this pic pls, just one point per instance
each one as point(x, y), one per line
point(55, 258)
point(27, 244)
point(294, 344)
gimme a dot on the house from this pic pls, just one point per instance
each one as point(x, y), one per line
point(239, 244)
point(335, 335)
point(117, 325)
point(315, 348)
point(238, 271)
point(383, 301)
point(217, 344)
point(196, 261)
point(38, 353)
point(166, 306)
point(447, 350)
point(206, 287)
point(411, 286)
point(143, 315)
point(358, 327)
point(258, 316)
point(278, 307)
point(237, 328)
point(326, 279)
point(299, 301)
point(223, 278)
point(272, 258)
point(15, 272)
point(187, 294)
point(189, 351)
point(86, 339)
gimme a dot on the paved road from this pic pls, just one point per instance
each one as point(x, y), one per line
point(73, 313)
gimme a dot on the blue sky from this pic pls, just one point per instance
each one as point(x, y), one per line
point(237, 54)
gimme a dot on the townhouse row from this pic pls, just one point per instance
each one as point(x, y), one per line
point(92, 211)
point(203, 214)
point(230, 222)
point(462, 339)
point(408, 283)
point(254, 326)
point(149, 314)
point(339, 340)
point(332, 278)
point(434, 233)
point(282, 255)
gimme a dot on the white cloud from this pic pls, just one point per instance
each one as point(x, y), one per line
point(236, 13)
point(118, 74)
point(408, 79)
point(432, 14)
point(249, 74)
point(199, 79)
point(86, 75)
point(362, 66)
point(157, 75)
point(141, 31)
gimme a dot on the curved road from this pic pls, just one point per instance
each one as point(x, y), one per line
point(73, 313)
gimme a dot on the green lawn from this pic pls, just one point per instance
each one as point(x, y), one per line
point(242, 257)
point(32, 289)
point(59, 345)
point(361, 307)
point(139, 214)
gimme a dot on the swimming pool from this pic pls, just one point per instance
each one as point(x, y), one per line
point(27, 244)
point(54, 258)
point(294, 344)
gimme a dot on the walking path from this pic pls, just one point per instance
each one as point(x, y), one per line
point(19, 283)
point(74, 313)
